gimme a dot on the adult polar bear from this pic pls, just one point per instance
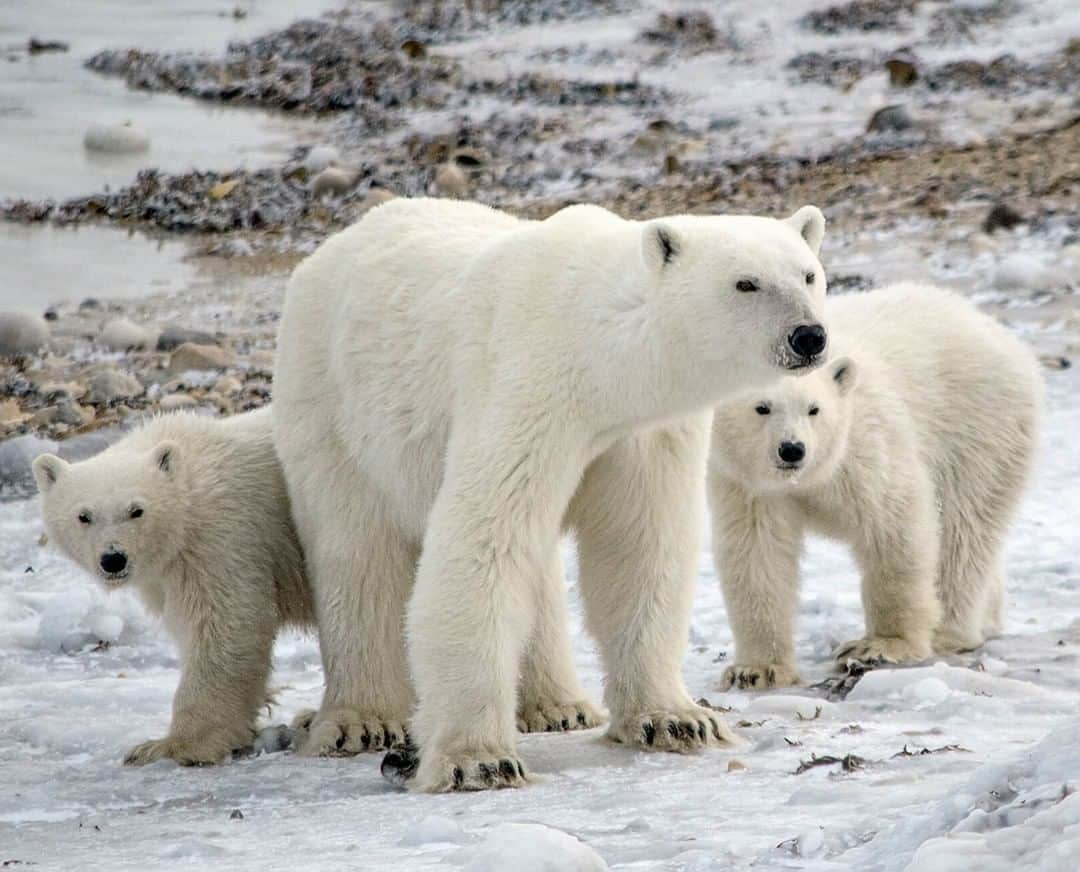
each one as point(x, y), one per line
point(453, 387)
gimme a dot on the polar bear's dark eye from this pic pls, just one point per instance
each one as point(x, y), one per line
point(762, 409)
point(135, 512)
point(814, 410)
point(84, 518)
point(747, 286)
point(809, 278)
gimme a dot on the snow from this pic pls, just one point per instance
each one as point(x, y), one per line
point(997, 791)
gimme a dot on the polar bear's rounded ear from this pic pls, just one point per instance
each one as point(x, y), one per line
point(809, 223)
point(660, 245)
point(844, 374)
point(165, 456)
point(47, 470)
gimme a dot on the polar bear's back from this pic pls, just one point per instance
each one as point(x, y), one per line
point(969, 386)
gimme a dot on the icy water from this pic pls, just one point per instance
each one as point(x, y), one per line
point(49, 100)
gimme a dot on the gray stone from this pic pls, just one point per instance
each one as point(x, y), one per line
point(21, 333)
point(890, 119)
point(109, 385)
point(192, 356)
point(334, 180)
point(173, 337)
point(120, 334)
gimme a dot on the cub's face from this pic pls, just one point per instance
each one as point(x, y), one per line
point(792, 435)
point(112, 514)
point(748, 292)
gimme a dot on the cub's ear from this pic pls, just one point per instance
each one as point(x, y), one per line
point(165, 457)
point(660, 245)
point(47, 470)
point(809, 223)
point(844, 373)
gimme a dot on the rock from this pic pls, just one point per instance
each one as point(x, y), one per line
point(222, 189)
point(37, 46)
point(173, 337)
point(890, 119)
point(334, 180)
point(21, 333)
point(1002, 215)
point(981, 243)
point(413, 48)
point(51, 314)
point(53, 391)
point(227, 385)
point(191, 355)
point(10, 413)
point(319, 157)
point(672, 165)
point(90, 303)
point(734, 765)
point(902, 71)
point(261, 359)
point(450, 181)
point(108, 385)
point(375, 197)
point(177, 401)
point(63, 412)
point(115, 139)
point(120, 334)
point(1021, 271)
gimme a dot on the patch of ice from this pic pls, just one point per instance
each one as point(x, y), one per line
point(533, 848)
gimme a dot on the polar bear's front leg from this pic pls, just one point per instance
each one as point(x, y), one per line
point(757, 543)
point(638, 517)
point(551, 698)
point(897, 553)
point(224, 670)
point(490, 535)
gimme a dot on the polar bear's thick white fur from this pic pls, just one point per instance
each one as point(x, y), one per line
point(192, 514)
point(454, 387)
point(913, 445)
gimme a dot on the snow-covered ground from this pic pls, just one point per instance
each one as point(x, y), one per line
point(1003, 793)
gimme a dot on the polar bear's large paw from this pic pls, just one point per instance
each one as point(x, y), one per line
point(951, 640)
point(550, 716)
point(682, 729)
point(759, 676)
point(186, 752)
point(342, 732)
point(402, 768)
point(883, 649)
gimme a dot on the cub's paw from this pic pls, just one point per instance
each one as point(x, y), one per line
point(682, 729)
point(882, 649)
point(402, 767)
point(952, 640)
point(754, 676)
point(549, 716)
point(186, 752)
point(343, 732)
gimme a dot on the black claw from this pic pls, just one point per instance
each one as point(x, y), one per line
point(340, 743)
point(581, 718)
point(507, 769)
point(400, 765)
point(459, 778)
point(648, 729)
point(715, 730)
point(487, 772)
point(673, 729)
point(521, 771)
point(391, 739)
point(565, 724)
point(701, 731)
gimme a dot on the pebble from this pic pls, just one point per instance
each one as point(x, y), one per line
point(173, 402)
point(115, 139)
point(450, 181)
point(735, 765)
point(334, 180)
point(173, 337)
point(21, 333)
point(890, 118)
point(195, 356)
point(902, 71)
point(1019, 271)
point(1055, 361)
point(320, 157)
point(63, 412)
point(227, 385)
point(10, 413)
point(1002, 216)
point(120, 334)
point(375, 197)
point(107, 385)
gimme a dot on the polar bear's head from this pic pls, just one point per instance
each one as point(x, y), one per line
point(746, 293)
point(791, 435)
point(115, 514)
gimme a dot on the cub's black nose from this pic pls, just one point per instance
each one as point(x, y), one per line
point(113, 562)
point(807, 340)
point(792, 452)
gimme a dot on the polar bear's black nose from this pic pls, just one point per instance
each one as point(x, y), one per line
point(792, 452)
point(807, 340)
point(113, 562)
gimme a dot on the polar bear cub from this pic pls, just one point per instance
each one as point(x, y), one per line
point(913, 446)
point(192, 513)
point(456, 387)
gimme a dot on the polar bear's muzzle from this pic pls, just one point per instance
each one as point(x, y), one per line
point(806, 344)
